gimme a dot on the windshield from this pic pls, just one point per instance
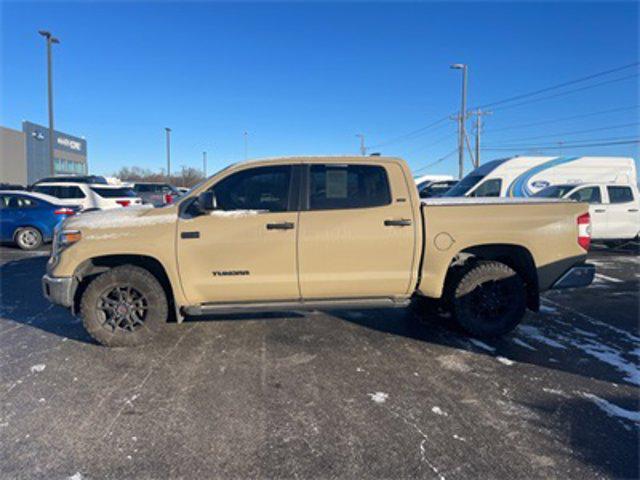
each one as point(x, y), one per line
point(556, 191)
point(464, 185)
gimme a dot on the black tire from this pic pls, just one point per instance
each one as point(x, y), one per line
point(124, 307)
point(28, 238)
point(489, 299)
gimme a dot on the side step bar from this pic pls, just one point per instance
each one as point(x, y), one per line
point(284, 306)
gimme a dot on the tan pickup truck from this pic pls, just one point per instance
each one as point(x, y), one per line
point(314, 233)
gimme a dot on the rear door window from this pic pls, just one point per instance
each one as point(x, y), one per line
point(587, 194)
point(620, 194)
point(348, 186)
point(64, 192)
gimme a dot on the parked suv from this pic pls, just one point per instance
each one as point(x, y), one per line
point(158, 194)
point(614, 208)
point(89, 196)
point(96, 179)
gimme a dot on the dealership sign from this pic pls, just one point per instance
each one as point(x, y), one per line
point(72, 144)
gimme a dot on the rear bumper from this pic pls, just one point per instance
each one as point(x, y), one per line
point(58, 290)
point(576, 276)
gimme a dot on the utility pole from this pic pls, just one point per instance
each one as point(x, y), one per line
point(168, 130)
point(363, 149)
point(462, 118)
point(246, 145)
point(479, 114)
point(204, 164)
point(50, 41)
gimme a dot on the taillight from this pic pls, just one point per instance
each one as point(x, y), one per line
point(124, 203)
point(168, 198)
point(584, 230)
point(64, 211)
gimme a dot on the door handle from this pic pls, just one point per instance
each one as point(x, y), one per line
point(632, 210)
point(600, 210)
point(190, 235)
point(280, 226)
point(397, 223)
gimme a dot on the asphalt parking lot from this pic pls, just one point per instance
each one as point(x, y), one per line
point(363, 394)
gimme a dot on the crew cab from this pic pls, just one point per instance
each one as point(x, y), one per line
point(311, 233)
point(614, 208)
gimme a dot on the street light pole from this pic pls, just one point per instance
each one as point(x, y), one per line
point(462, 117)
point(50, 41)
point(363, 149)
point(168, 134)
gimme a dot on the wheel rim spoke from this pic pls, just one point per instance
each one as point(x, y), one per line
point(123, 308)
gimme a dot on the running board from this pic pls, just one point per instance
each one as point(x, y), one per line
point(284, 306)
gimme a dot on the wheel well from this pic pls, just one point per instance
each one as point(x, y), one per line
point(90, 269)
point(515, 256)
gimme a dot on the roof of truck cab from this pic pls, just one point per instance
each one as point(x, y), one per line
point(316, 158)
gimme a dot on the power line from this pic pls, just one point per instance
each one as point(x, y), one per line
point(441, 159)
point(560, 85)
point(431, 144)
point(589, 130)
point(410, 134)
point(567, 92)
point(556, 120)
point(565, 145)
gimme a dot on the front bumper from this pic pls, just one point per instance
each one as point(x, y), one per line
point(58, 290)
point(577, 276)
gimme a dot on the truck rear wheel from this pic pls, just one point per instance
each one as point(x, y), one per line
point(489, 299)
point(124, 307)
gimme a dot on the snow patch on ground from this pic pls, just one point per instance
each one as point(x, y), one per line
point(504, 360)
point(482, 345)
point(439, 411)
point(524, 344)
point(38, 368)
point(76, 476)
point(379, 397)
point(547, 309)
point(614, 410)
point(600, 276)
point(535, 334)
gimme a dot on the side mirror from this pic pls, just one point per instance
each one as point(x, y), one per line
point(207, 201)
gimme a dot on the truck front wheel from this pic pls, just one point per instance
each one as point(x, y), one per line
point(489, 299)
point(124, 307)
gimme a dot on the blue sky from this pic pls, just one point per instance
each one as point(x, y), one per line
point(304, 78)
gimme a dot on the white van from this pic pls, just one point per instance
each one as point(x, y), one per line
point(525, 176)
point(614, 208)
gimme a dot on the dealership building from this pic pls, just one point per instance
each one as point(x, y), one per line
point(24, 155)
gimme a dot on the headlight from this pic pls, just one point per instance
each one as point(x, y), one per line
point(65, 238)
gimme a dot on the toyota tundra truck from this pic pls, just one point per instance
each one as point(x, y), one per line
point(302, 233)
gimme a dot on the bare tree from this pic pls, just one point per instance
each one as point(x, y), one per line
point(187, 177)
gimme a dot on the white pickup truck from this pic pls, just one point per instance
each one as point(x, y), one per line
point(614, 208)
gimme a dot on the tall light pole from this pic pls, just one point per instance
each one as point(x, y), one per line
point(204, 164)
point(168, 134)
point(50, 41)
point(462, 117)
point(246, 144)
point(363, 148)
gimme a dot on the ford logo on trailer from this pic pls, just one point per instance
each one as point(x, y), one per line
point(540, 184)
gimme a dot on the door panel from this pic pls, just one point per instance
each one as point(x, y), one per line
point(245, 250)
point(623, 218)
point(352, 252)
